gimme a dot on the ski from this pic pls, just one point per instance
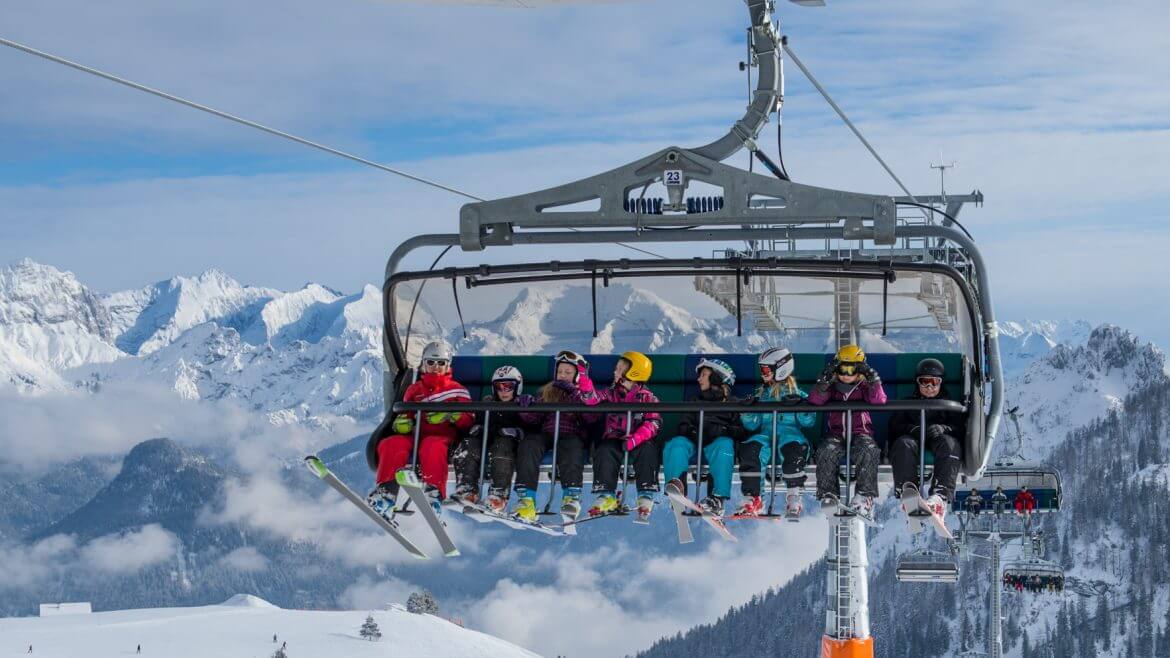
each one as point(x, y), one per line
point(483, 514)
point(940, 524)
point(913, 506)
point(408, 481)
point(856, 511)
point(573, 522)
point(320, 470)
point(684, 526)
point(715, 522)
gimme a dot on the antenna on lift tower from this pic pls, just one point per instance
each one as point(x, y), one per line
point(942, 175)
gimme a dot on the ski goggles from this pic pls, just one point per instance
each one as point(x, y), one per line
point(849, 368)
point(435, 362)
point(504, 387)
point(933, 382)
point(766, 371)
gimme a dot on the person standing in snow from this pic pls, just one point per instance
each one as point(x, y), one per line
point(506, 430)
point(630, 375)
point(848, 378)
point(438, 429)
point(570, 384)
point(944, 438)
point(721, 430)
point(776, 384)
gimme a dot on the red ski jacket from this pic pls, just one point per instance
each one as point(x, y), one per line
point(439, 388)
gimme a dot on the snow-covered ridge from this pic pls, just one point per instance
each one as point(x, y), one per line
point(245, 626)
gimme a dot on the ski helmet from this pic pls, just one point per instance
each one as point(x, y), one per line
point(781, 362)
point(436, 350)
point(721, 372)
point(640, 367)
point(508, 374)
point(930, 368)
point(572, 358)
point(850, 354)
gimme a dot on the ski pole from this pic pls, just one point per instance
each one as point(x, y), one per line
point(848, 452)
point(487, 426)
point(553, 471)
point(921, 451)
point(626, 459)
point(699, 462)
point(775, 458)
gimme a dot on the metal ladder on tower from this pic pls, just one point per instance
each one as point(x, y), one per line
point(844, 607)
point(844, 311)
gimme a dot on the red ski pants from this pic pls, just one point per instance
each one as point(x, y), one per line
point(394, 455)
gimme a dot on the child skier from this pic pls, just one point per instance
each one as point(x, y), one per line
point(777, 383)
point(505, 430)
point(944, 435)
point(629, 385)
point(848, 378)
point(438, 429)
point(720, 432)
point(570, 384)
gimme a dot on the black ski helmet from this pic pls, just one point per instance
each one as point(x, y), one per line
point(930, 368)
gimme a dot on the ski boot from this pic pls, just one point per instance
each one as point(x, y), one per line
point(497, 500)
point(526, 509)
point(466, 494)
point(605, 503)
point(862, 506)
point(750, 507)
point(436, 501)
point(793, 505)
point(712, 505)
point(645, 505)
point(571, 504)
point(829, 504)
point(381, 500)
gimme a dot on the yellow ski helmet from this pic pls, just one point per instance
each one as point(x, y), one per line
point(640, 366)
point(850, 354)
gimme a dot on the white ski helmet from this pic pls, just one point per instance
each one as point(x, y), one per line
point(509, 374)
point(724, 373)
point(780, 360)
point(436, 350)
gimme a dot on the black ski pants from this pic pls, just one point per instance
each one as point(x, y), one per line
point(570, 460)
point(947, 458)
point(500, 466)
point(795, 457)
point(608, 455)
point(865, 454)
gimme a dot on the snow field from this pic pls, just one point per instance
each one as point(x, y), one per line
point(242, 627)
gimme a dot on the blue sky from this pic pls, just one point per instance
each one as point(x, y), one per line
point(1059, 116)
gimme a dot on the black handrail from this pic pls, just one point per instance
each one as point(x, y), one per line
point(674, 407)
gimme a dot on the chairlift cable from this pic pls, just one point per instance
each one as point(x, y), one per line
point(841, 113)
point(252, 124)
point(231, 117)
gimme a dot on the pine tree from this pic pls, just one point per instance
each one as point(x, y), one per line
point(280, 653)
point(422, 603)
point(1103, 622)
point(370, 630)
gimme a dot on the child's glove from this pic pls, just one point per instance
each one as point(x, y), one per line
point(402, 425)
point(869, 373)
point(640, 436)
point(583, 382)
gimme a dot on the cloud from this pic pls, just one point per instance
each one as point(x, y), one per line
point(27, 565)
point(131, 551)
point(245, 559)
point(645, 595)
point(370, 594)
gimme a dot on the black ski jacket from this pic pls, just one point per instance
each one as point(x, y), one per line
point(511, 420)
point(905, 423)
point(714, 424)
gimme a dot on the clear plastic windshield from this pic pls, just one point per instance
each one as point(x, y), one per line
point(688, 313)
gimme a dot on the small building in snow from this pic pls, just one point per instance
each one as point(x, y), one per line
point(57, 609)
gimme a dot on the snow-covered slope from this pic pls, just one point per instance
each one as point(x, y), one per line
point(244, 626)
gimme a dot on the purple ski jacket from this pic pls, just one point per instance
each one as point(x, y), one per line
point(645, 424)
point(862, 423)
point(572, 424)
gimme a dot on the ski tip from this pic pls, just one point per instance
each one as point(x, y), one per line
point(316, 465)
point(453, 553)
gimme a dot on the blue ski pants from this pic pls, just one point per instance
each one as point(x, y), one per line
point(718, 455)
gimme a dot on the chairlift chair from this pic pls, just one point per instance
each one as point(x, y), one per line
point(925, 565)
